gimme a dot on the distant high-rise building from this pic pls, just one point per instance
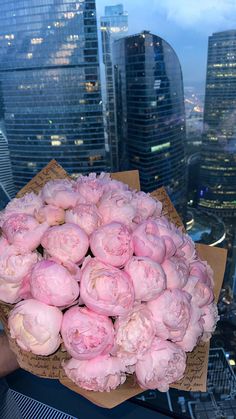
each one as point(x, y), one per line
point(150, 113)
point(217, 190)
point(49, 73)
point(7, 189)
point(113, 25)
point(218, 165)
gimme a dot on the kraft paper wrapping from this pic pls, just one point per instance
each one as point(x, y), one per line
point(50, 367)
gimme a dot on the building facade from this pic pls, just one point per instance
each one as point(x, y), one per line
point(217, 189)
point(113, 26)
point(7, 189)
point(150, 113)
point(50, 82)
point(218, 164)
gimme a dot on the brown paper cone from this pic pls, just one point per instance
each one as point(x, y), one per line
point(50, 367)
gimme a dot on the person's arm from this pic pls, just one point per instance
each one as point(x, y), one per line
point(8, 361)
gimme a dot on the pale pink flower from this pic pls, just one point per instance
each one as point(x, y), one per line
point(194, 330)
point(66, 243)
point(60, 193)
point(188, 249)
point(90, 187)
point(13, 266)
point(23, 231)
point(202, 271)
point(106, 289)
point(177, 272)
point(114, 185)
point(103, 373)
point(145, 205)
point(134, 333)
point(36, 327)
point(200, 292)
point(171, 313)
point(9, 291)
point(116, 206)
point(210, 319)
point(51, 214)
point(112, 243)
point(25, 205)
point(86, 334)
point(52, 284)
point(147, 241)
point(85, 216)
point(162, 364)
point(148, 277)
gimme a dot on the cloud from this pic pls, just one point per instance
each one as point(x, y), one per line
point(199, 14)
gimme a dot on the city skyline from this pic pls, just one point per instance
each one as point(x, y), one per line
point(50, 86)
point(185, 25)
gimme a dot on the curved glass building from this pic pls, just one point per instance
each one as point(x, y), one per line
point(150, 113)
point(218, 161)
point(49, 73)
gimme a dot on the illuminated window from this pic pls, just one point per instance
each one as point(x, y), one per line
point(9, 36)
point(79, 142)
point(35, 41)
point(160, 147)
point(69, 15)
point(55, 142)
point(29, 55)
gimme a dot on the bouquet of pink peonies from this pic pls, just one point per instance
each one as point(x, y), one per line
point(96, 266)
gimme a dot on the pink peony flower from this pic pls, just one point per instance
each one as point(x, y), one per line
point(202, 271)
point(105, 289)
point(188, 249)
point(90, 187)
point(4, 245)
point(23, 231)
point(60, 193)
point(86, 334)
point(13, 266)
point(51, 214)
point(210, 319)
point(147, 241)
point(194, 330)
point(163, 364)
point(36, 326)
point(10, 291)
point(114, 185)
point(84, 215)
point(171, 313)
point(145, 205)
point(116, 206)
point(200, 292)
point(147, 276)
point(103, 373)
point(53, 284)
point(66, 243)
point(112, 243)
point(25, 205)
point(176, 271)
point(134, 333)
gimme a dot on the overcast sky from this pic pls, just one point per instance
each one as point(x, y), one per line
point(185, 24)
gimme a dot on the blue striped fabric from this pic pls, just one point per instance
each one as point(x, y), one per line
point(19, 406)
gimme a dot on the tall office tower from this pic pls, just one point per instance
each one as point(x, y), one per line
point(49, 73)
point(150, 113)
point(217, 192)
point(113, 25)
point(7, 189)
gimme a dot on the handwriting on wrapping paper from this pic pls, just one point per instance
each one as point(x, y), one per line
point(51, 172)
point(195, 374)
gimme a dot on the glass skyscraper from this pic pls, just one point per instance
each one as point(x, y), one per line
point(113, 25)
point(7, 190)
point(218, 165)
point(150, 113)
point(217, 189)
point(50, 85)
